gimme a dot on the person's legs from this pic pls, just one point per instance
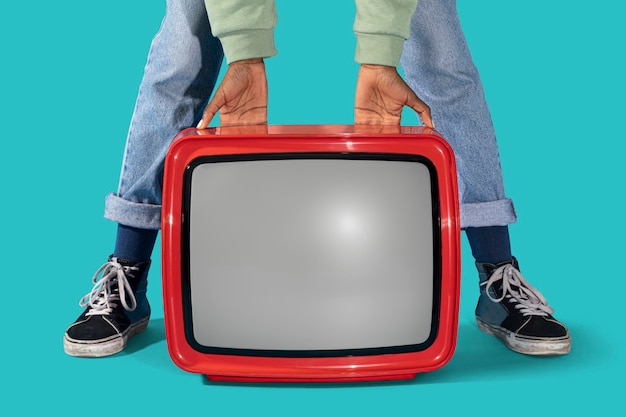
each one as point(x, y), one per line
point(182, 69)
point(438, 66)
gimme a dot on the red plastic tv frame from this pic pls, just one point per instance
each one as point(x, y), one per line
point(310, 253)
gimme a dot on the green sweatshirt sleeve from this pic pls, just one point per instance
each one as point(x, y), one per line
point(381, 26)
point(245, 28)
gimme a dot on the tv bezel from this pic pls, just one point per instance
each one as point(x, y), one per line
point(352, 156)
point(192, 146)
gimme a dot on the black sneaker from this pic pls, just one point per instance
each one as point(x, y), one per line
point(116, 309)
point(512, 310)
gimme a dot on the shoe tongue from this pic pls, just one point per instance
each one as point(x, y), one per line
point(486, 269)
point(512, 262)
point(134, 271)
point(121, 261)
point(128, 263)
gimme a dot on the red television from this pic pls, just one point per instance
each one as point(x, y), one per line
point(310, 253)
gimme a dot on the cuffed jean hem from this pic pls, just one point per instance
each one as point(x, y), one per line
point(148, 216)
point(492, 213)
point(129, 213)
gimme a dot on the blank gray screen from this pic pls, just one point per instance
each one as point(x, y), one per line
point(311, 254)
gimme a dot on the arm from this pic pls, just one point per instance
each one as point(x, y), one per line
point(381, 28)
point(246, 30)
point(245, 27)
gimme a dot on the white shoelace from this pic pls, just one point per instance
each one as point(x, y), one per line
point(529, 300)
point(108, 289)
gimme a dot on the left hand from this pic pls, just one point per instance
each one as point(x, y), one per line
point(381, 94)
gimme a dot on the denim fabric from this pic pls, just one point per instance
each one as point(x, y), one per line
point(438, 66)
point(181, 72)
point(182, 68)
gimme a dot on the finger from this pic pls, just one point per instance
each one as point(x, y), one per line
point(217, 102)
point(426, 118)
point(421, 109)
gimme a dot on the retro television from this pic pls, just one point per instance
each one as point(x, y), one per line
point(310, 253)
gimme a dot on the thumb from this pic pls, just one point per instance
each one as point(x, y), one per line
point(421, 109)
point(215, 104)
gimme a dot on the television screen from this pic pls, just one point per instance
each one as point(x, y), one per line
point(290, 249)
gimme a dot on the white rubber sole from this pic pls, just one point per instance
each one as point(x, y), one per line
point(105, 347)
point(545, 347)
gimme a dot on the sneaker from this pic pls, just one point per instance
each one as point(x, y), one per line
point(116, 309)
point(510, 309)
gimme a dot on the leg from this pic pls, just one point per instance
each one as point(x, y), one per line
point(182, 69)
point(180, 74)
point(438, 66)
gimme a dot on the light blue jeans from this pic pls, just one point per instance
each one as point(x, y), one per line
point(438, 66)
point(181, 72)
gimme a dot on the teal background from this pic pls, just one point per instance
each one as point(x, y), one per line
point(553, 73)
